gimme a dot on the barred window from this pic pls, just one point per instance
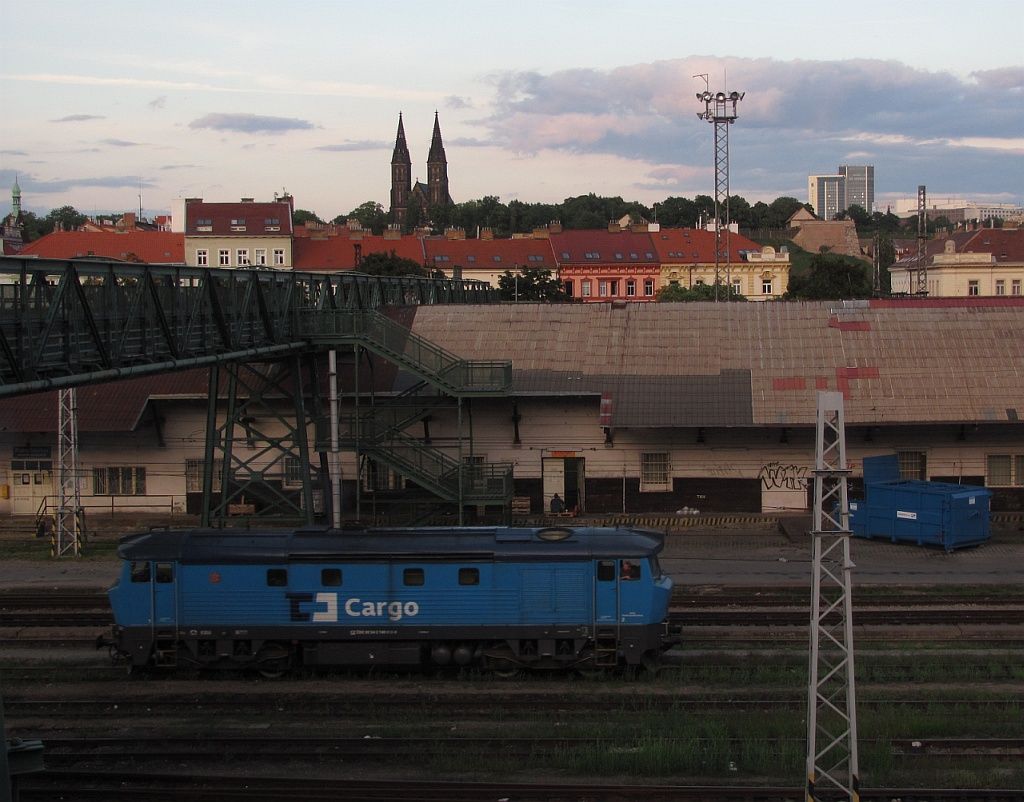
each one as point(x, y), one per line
point(293, 472)
point(119, 481)
point(195, 473)
point(1005, 470)
point(913, 465)
point(655, 472)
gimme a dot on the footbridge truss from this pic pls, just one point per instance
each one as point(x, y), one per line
point(65, 324)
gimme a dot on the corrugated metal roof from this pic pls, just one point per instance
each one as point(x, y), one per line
point(680, 364)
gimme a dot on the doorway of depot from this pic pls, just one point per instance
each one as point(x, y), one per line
point(565, 476)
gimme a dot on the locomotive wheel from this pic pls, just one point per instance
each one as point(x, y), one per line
point(505, 669)
point(273, 661)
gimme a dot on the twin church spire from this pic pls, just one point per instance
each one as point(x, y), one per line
point(404, 194)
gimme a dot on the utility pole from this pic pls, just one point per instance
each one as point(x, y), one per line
point(720, 110)
point(832, 768)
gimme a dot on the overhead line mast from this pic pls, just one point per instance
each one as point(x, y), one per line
point(832, 767)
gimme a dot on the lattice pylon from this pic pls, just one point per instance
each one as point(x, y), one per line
point(69, 533)
point(832, 766)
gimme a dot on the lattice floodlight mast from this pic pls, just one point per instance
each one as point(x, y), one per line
point(832, 768)
point(720, 109)
point(69, 532)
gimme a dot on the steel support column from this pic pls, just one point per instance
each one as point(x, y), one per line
point(832, 767)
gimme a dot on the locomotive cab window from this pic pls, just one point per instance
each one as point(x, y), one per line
point(330, 577)
point(469, 576)
point(140, 572)
point(277, 578)
point(628, 570)
point(164, 573)
point(606, 570)
point(412, 576)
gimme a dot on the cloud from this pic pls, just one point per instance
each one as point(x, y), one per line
point(251, 123)
point(351, 146)
point(31, 184)
point(119, 143)
point(180, 167)
point(797, 118)
point(158, 103)
point(78, 118)
point(455, 102)
point(13, 153)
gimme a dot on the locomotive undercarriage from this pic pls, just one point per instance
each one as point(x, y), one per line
point(275, 651)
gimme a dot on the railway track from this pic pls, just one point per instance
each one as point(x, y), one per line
point(229, 706)
point(61, 752)
point(115, 785)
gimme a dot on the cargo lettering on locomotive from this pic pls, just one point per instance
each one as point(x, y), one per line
point(395, 610)
point(327, 604)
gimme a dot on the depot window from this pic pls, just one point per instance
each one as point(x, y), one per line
point(413, 577)
point(277, 578)
point(606, 571)
point(655, 472)
point(469, 576)
point(913, 465)
point(1005, 470)
point(140, 571)
point(330, 577)
point(119, 481)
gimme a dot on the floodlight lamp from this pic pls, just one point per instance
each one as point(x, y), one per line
point(735, 96)
point(720, 97)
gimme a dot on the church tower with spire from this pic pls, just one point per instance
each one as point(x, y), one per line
point(401, 177)
point(411, 201)
point(437, 169)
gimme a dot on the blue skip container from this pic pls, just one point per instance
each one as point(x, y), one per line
point(926, 513)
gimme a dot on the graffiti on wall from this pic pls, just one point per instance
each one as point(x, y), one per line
point(777, 476)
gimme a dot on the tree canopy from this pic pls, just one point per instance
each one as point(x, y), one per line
point(831, 276)
point(531, 285)
point(676, 293)
point(302, 216)
point(66, 218)
point(390, 264)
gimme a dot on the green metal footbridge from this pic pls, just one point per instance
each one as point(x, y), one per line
point(262, 335)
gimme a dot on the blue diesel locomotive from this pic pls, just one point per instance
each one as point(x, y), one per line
point(502, 599)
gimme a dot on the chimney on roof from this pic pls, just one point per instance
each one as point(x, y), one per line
point(127, 221)
point(247, 200)
point(487, 233)
point(638, 228)
point(540, 233)
point(614, 227)
point(555, 227)
point(454, 233)
point(393, 231)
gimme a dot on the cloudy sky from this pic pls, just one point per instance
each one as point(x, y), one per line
point(538, 101)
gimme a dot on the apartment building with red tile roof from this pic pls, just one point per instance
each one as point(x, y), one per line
point(607, 265)
point(344, 251)
point(487, 259)
point(150, 247)
point(243, 234)
point(984, 262)
point(687, 257)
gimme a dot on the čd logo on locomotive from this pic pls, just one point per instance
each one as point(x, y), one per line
point(326, 608)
